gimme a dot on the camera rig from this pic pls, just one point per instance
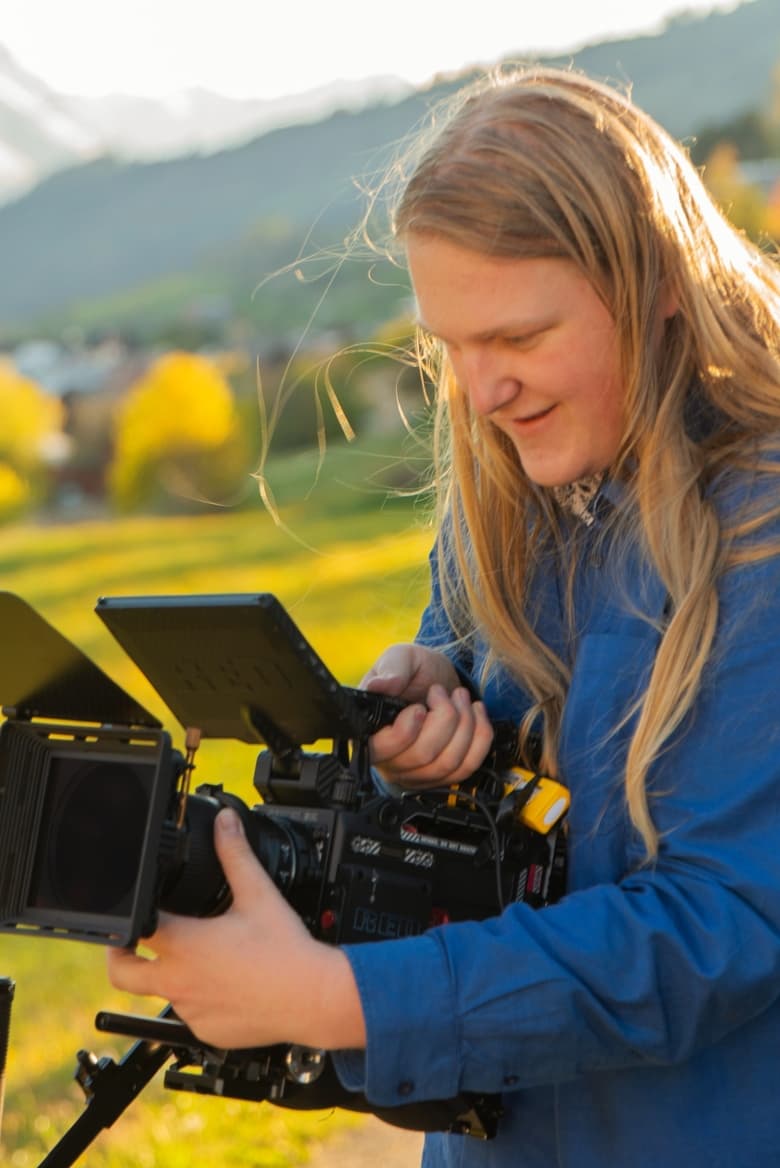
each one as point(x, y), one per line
point(99, 828)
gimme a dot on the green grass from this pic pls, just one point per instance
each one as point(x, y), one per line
point(354, 578)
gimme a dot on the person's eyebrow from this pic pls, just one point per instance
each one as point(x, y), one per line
point(526, 328)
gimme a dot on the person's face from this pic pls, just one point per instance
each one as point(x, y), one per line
point(534, 348)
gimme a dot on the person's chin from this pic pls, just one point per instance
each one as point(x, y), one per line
point(551, 474)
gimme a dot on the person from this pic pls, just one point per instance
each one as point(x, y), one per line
point(606, 350)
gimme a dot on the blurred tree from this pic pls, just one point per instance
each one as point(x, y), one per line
point(773, 114)
point(772, 222)
point(743, 203)
point(14, 493)
point(311, 399)
point(177, 438)
point(31, 418)
point(753, 134)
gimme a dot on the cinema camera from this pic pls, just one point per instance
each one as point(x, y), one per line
point(99, 829)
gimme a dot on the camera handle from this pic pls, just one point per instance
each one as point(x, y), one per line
point(110, 1088)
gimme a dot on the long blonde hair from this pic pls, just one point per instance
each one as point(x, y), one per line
point(537, 163)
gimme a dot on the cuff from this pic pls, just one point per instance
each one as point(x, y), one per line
point(350, 1066)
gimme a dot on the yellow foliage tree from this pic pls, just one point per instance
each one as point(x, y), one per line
point(743, 203)
point(177, 436)
point(773, 214)
point(30, 417)
point(14, 492)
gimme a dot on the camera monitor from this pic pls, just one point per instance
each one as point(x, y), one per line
point(235, 666)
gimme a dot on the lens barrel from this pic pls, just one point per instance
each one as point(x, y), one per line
point(195, 884)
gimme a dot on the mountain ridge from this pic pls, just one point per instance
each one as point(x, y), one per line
point(107, 227)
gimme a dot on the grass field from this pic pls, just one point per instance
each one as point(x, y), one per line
point(351, 569)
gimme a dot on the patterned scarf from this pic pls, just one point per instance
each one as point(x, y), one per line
point(577, 498)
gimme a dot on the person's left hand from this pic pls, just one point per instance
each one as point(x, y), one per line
point(253, 976)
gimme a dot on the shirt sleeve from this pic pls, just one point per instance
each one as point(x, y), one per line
point(645, 971)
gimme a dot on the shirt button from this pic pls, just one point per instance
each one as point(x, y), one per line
point(510, 1080)
point(406, 1087)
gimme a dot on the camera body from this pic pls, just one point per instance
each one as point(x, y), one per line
point(99, 830)
point(393, 865)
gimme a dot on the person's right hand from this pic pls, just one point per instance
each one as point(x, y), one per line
point(443, 736)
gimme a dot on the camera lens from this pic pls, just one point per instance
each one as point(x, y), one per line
point(197, 887)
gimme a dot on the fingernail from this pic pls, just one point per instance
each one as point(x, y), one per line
point(461, 699)
point(228, 822)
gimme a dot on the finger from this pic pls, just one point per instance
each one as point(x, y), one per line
point(452, 744)
point(480, 742)
point(396, 739)
point(132, 973)
point(446, 725)
point(243, 871)
point(451, 759)
point(172, 930)
point(417, 757)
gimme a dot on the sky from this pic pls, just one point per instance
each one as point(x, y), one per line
point(269, 48)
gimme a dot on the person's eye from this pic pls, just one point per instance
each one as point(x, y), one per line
point(525, 340)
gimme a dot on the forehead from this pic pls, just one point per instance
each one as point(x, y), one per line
point(461, 292)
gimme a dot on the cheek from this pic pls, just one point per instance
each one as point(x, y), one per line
point(606, 381)
point(606, 405)
point(595, 400)
point(610, 421)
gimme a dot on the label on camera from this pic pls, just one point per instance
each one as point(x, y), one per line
point(368, 846)
point(365, 845)
point(412, 836)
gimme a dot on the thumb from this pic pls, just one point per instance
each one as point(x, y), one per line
point(386, 683)
point(391, 673)
point(242, 869)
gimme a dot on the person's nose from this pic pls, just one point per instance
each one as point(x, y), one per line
point(490, 385)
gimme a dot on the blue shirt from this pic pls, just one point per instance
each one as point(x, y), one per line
point(636, 1023)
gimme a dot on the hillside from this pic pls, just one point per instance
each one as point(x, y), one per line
point(112, 241)
point(96, 229)
point(700, 70)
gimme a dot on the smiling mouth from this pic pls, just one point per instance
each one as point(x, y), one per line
point(534, 417)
